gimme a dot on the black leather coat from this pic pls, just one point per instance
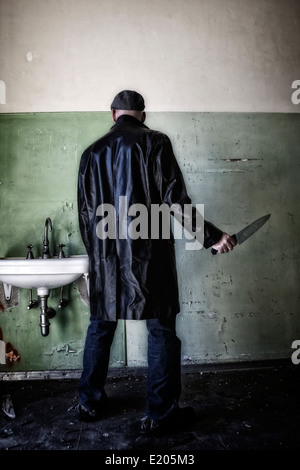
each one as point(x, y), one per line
point(131, 278)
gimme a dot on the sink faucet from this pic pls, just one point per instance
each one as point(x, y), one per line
point(46, 252)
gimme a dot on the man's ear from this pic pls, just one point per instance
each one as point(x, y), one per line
point(113, 113)
point(144, 117)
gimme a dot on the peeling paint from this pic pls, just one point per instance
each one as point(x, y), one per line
point(236, 160)
point(66, 349)
point(187, 360)
point(213, 315)
point(68, 206)
point(11, 354)
point(218, 170)
point(29, 56)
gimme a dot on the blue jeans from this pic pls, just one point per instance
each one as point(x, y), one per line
point(163, 386)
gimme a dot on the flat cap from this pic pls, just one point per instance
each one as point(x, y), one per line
point(128, 100)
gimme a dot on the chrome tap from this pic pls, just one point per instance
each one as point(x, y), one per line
point(46, 251)
point(29, 254)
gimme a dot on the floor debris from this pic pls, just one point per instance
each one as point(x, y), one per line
point(7, 406)
point(238, 409)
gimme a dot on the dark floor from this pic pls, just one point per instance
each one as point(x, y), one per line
point(243, 408)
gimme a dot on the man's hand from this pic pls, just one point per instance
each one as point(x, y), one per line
point(225, 244)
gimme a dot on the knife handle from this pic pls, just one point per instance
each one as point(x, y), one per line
point(214, 252)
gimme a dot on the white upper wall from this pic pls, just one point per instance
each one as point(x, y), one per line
point(182, 55)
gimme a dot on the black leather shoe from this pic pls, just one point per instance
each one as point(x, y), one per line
point(177, 420)
point(87, 415)
point(84, 414)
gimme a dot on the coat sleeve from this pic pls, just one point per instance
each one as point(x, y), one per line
point(173, 191)
point(82, 200)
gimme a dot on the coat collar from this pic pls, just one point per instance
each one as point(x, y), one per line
point(126, 118)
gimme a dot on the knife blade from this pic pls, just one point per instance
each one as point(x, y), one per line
point(248, 231)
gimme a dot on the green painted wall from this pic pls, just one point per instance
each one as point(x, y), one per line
point(239, 306)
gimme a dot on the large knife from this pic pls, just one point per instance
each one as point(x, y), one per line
point(248, 231)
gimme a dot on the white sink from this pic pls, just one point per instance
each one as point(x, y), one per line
point(41, 274)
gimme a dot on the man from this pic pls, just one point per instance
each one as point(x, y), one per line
point(133, 277)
